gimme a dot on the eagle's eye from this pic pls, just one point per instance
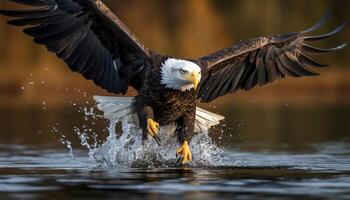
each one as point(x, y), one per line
point(182, 71)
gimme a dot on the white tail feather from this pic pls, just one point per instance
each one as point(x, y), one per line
point(115, 108)
point(205, 120)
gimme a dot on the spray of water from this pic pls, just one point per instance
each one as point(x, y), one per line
point(125, 149)
point(128, 150)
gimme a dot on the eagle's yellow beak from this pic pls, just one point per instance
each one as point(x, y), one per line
point(194, 78)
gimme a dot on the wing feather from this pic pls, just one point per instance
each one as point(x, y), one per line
point(87, 36)
point(260, 61)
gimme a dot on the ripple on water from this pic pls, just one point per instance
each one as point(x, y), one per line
point(123, 165)
point(323, 174)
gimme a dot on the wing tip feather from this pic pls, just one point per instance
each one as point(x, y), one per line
point(320, 23)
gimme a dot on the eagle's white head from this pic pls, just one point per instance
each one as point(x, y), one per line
point(180, 74)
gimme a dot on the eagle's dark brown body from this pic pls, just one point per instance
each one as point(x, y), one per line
point(165, 105)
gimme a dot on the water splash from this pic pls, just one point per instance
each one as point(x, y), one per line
point(68, 145)
point(128, 150)
point(124, 148)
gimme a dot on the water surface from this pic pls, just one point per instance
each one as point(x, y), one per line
point(28, 172)
point(308, 159)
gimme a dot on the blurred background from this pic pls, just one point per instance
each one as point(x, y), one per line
point(42, 102)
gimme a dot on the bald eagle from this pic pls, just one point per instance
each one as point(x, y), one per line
point(95, 43)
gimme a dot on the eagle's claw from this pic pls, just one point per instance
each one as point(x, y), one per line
point(153, 130)
point(184, 153)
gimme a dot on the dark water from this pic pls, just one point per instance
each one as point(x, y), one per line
point(260, 161)
point(27, 173)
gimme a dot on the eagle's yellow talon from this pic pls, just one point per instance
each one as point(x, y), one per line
point(185, 153)
point(152, 127)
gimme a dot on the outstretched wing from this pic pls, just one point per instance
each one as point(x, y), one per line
point(88, 37)
point(260, 61)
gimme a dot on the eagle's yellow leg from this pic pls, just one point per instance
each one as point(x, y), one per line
point(152, 127)
point(185, 153)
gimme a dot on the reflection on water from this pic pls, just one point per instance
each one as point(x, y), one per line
point(287, 152)
point(32, 172)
